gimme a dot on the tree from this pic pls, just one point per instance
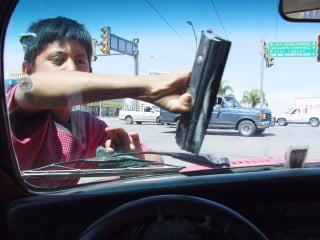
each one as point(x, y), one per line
point(224, 88)
point(251, 98)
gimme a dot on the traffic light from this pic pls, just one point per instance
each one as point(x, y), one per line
point(269, 62)
point(105, 49)
point(94, 43)
point(318, 55)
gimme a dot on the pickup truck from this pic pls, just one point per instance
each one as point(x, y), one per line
point(229, 114)
point(302, 116)
point(145, 114)
point(168, 118)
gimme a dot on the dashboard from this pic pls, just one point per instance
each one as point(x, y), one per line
point(283, 204)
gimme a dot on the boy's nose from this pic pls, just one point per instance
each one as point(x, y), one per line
point(70, 65)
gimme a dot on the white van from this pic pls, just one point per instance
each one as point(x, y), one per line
point(301, 116)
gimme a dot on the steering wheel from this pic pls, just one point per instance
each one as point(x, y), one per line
point(168, 216)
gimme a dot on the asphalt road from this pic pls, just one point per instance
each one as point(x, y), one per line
point(228, 143)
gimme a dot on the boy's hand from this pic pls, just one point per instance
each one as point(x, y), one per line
point(168, 91)
point(121, 141)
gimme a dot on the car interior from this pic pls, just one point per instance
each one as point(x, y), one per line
point(266, 201)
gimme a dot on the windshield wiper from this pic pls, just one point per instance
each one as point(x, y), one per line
point(207, 160)
point(123, 165)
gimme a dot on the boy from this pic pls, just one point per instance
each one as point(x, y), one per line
point(58, 76)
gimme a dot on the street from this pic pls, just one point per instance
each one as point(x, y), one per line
point(228, 143)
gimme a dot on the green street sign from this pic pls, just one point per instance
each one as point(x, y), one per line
point(292, 49)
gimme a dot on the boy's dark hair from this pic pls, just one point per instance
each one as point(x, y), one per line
point(57, 29)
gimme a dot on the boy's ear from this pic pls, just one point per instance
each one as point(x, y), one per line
point(27, 68)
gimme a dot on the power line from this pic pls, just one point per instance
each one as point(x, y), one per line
point(221, 23)
point(165, 20)
point(263, 19)
point(276, 31)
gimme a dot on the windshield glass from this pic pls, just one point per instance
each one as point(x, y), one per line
point(232, 102)
point(85, 82)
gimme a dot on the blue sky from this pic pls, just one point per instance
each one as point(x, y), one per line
point(167, 42)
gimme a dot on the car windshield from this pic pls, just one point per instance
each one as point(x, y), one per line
point(85, 83)
point(232, 101)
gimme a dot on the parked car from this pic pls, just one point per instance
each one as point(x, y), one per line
point(266, 191)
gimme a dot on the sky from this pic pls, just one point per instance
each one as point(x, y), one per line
point(167, 42)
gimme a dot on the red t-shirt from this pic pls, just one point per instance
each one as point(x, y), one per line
point(41, 139)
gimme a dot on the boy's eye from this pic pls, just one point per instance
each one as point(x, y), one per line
point(81, 61)
point(58, 60)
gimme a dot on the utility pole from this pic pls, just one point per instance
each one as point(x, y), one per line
point(135, 51)
point(136, 63)
point(268, 63)
point(263, 56)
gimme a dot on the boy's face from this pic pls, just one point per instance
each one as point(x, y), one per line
point(63, 56)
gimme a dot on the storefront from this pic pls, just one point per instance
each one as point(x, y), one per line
point(104, 108)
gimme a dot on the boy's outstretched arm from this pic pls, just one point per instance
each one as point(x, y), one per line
point(59, 89)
